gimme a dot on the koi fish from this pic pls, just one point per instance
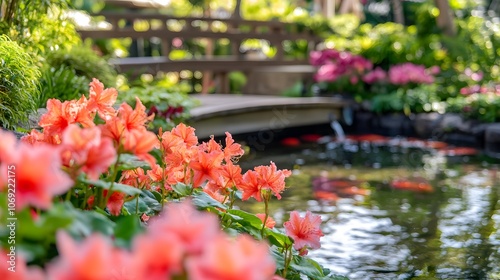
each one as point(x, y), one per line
point(372, 138)
point(313, 138)
point(412, 185)
point(328, 196)
point(458, 151)
point(290, 142)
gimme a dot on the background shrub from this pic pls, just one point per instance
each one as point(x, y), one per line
point(86, 63)
point(18, 84)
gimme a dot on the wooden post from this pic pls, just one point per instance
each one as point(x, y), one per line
point(224, 82)
point(165, 47)
point(445, 19)
point(329, 8)
point(397, 11)
point(207, 77)
point(237, 10)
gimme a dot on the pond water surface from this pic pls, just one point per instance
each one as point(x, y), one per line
point(407, 211)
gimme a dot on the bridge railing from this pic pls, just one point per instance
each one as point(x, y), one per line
point(165, 28)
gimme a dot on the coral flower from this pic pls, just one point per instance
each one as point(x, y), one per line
point(230, 175)
point(137, 177)
point(250, 186)
point(38, 175)
point(263, 178)
point(193, 228)
point(93, 259)
point(215, 191)
point(156, 257)
point(86, 148)
point(8, 142)
point(170, 141)
point(232, 150)
point(270, 222)
point(21, 271)
point(140, 142)
point(114, 128)
point(175, 175)
point(134, 118)
point(61, 114)
point(99, 158)
point(210, 146)
point(35, 137)
point(101, 99)
point(181, 156)
point(186, 133)
point(272, 178)
point(305, 231)
point(115, 202)
point(240, 259)
point(206, 167)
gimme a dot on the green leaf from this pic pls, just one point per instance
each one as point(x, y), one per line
point(279, 257)
point(151, 201)
point(87, 222)
point(277, 238)
point(129, 161)
point(308, 267)
point(116, 186)
point(246, 219)
point(126, 228)
point(45, 227)
point(31, 251)
point(182, 189)
point(204, 201)
point(146, 204)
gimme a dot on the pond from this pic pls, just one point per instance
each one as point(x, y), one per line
point(394, 208)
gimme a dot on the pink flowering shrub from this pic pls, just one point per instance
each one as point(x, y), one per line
point(344, 72)
point(409, 73)
point(100, 197)
point(479, 102)
point(341, 69)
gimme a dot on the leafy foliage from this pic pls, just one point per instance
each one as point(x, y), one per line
point(66, 73)
point(483, 106)
point(62, 83)
point(170, 105)
point(43, 20)
point(18, 83)
point(85, 62)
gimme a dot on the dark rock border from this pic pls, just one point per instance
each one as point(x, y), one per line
point(449, 127)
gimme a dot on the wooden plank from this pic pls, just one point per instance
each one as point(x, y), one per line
point(153, 64)
point(192, 33)
point(149, 16)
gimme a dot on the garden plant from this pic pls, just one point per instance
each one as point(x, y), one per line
point(95, 195)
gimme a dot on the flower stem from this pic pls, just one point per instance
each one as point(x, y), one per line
point(113, 178)
point(137, 205)
point(68, 194)
point(266, 212)
point(288, 259)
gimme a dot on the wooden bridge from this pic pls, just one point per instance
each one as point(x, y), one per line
point(165, 28)
point(240, 114)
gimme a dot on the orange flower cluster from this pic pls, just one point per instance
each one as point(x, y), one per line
point(85, 138)
point(264, 178)
point(84, 147)
point(208, 165)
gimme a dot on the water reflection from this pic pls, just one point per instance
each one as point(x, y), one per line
point(450, 233)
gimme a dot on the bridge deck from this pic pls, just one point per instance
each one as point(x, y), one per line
point(238, 114)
